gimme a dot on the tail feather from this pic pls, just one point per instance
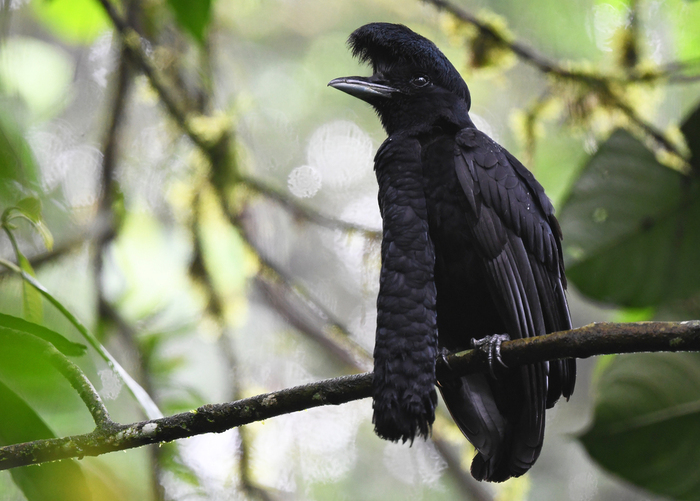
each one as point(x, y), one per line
point(507, 443)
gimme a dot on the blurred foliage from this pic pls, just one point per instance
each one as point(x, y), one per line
point(633, 227)
point(73, 21)
point(633, 237)
point(645, 426)
point(192, 16)
point(62, 480)
point(599, 97)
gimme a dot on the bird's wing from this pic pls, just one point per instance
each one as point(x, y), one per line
point(517, 238)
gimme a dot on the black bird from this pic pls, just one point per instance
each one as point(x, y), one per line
point(471, 249)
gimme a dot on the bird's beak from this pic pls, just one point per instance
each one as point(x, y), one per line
point(362, 88)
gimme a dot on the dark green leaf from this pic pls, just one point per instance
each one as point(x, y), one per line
point(192, 15)
point(632, 228)
point(61, 480)
point(691, 130)
point(61, 343)
point(645, 428)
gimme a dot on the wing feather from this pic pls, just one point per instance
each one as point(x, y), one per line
point(518, 241)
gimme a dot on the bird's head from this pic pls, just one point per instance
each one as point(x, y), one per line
point(413, 85)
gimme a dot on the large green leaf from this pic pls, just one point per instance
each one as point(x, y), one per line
point(9, 323)
point(645, 427)
point(28, 371)
point(193, 16)
point(61, 480)
point(632, 228)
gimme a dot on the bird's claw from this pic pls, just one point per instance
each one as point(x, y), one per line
point(443, 356)
point(491, 345)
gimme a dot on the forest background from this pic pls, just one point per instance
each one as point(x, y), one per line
point(179, 178)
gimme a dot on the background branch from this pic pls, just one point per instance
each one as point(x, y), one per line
point(600, 84)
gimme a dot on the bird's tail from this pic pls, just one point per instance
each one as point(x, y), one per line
point(507, 445)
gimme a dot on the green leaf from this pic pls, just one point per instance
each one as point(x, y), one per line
point(61, 480)
point(30, 208)
point(32, 306)
point(632, 228)
point(691, 131)
point(17, 167)
point(75, 21)
point(193, 16)
point(142, 397)
point(62, 344)
point(645, 427)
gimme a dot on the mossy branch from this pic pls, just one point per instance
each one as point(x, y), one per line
point(587, 341)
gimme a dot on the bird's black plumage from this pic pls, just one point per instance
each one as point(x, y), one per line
point(471, 248)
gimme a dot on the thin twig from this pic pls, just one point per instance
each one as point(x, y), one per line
point(215, 307)
point(297, 305)
point(303, 212)
point(168, 93)
point(295, 310)
point(601, 83)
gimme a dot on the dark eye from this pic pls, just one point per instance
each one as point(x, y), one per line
point(420, 81)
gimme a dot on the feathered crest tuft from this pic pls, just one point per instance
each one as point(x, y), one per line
point(385, 44)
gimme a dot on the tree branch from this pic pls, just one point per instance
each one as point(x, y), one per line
point(297, 305)
point(303, 212)
point(590, 340)
point(604, 338)
point(210, 134)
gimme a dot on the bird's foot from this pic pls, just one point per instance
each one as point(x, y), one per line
point(491, 345)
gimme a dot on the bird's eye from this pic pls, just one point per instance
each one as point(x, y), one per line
point(420, 81)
